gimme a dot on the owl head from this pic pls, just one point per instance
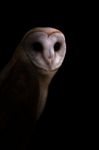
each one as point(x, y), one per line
point(45, 47)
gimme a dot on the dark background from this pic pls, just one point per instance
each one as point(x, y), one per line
point(65, 116)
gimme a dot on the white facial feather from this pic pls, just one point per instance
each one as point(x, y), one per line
point(46, 51)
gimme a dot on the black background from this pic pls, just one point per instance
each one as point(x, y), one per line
point(65, 118)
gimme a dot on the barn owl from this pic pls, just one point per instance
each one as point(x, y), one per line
point(25, 80)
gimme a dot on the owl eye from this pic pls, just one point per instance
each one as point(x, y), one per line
point(37, 46)
point(57, 46)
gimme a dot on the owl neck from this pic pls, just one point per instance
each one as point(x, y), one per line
point(45, 79)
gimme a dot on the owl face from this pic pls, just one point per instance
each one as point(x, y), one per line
point(45, 47)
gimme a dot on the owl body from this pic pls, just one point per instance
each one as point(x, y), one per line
point(25, 80)
point(23, 96)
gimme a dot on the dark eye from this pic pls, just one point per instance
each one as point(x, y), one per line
point(57, 46)
point(37, 46)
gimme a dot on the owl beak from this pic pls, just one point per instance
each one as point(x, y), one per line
point(49, 62)
point(50, 57)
